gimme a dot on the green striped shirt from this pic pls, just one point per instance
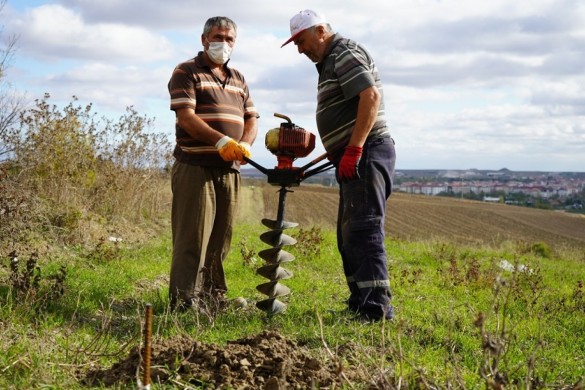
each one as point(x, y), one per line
point(346, 70)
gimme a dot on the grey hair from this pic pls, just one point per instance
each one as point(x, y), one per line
point(326, 26)
point(219, 21)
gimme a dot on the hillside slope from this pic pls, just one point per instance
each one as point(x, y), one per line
point(428, 218)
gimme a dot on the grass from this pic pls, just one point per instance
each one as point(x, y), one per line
point(461, 320)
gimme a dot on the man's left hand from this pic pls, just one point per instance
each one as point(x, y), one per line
point(348, 166)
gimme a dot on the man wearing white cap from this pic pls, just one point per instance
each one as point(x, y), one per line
point(351, 123)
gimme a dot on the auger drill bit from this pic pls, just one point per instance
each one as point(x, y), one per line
point(274, 258)
point(287, 142)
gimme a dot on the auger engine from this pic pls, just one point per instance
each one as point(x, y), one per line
point(287, 143)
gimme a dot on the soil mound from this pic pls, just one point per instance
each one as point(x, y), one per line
point(264, 361)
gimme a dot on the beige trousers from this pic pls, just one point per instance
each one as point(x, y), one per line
point(203, 210)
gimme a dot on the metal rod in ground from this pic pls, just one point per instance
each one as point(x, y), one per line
point(147, 347)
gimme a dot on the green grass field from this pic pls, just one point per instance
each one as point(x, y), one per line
point(462, 321)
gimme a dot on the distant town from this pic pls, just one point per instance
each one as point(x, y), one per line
point(559, 190)
point(549, 190)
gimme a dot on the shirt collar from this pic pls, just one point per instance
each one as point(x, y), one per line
point(336, 38)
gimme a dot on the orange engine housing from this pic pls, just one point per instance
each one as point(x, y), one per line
point(295, 141)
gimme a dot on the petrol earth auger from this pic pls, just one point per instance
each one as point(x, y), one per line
point(287, 143)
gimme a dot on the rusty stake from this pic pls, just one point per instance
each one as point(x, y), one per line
point(147, 347)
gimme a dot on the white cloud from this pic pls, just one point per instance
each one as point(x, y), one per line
point(56, 33)
point(109, 86)
point(484, 84)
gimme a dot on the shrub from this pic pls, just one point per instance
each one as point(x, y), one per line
point(81, 168)
point(541, 249)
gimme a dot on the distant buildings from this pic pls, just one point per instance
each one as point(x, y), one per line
point(504, 185)
point(504, 182)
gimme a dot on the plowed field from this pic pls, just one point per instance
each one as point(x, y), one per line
point(422, 218)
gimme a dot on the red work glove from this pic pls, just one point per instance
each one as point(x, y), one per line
point(229, 149)
point(348, 166)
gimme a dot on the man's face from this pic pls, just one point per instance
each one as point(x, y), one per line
point(310, 44)
point(218, 34)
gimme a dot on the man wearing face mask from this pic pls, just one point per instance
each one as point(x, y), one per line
point(216, 123)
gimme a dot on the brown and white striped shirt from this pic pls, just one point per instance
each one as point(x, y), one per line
point(223, 104)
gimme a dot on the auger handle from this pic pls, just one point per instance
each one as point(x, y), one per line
point(283, 117)
point(256, 165)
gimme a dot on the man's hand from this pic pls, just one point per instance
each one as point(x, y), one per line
point(245, 148)
point(348, 166)
point(229, 149)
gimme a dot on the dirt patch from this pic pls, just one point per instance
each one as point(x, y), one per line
point(264, 361)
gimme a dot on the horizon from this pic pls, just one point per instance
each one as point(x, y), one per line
point(247, 167)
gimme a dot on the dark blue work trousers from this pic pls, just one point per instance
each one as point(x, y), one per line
point(360, 230)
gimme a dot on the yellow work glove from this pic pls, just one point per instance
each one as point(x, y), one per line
point(245, 147)
point(229, 149)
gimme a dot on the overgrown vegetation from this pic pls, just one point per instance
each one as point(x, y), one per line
point(72, 178)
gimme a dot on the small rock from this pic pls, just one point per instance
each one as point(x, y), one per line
point(272, 384)
point(240, 302)
point(244, 362)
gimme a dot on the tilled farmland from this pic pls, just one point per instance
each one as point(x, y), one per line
point(430, 218)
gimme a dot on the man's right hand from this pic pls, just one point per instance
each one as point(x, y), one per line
point(229, 149)
point(348, 166)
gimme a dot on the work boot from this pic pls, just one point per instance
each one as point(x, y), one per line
point(367, 317)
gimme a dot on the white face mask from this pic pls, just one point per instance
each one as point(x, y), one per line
point(219, 52)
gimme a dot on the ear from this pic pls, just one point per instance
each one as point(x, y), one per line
point(203, 40)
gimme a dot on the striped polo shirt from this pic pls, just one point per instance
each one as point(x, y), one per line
point(346, 70)
point(222, 105)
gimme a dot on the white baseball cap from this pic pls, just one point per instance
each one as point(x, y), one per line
point(302, 21)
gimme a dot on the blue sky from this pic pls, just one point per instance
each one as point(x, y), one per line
point(484, 84)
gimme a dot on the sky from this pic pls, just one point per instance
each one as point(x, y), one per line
point(468, 84)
